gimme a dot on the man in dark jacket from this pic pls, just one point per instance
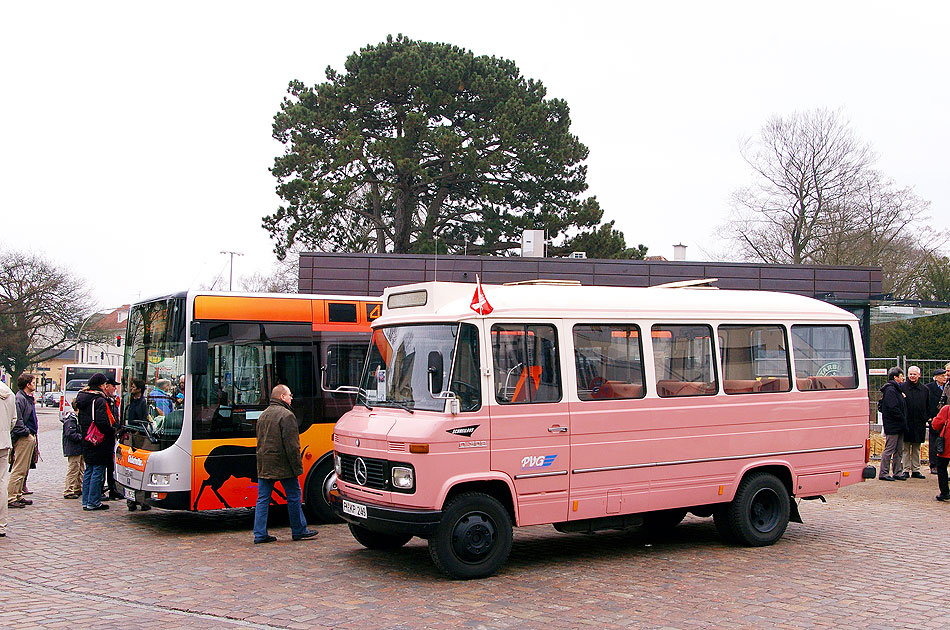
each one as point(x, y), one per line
point(935, 388)
point(894, 417)
point(94, 407)
point(917, 398)
point(23, 435)
point(278, 459)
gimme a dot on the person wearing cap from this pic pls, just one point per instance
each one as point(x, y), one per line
point(95, 406)
point(935, 389)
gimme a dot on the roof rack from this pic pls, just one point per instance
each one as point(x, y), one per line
point(556, 283)
point(705, 283)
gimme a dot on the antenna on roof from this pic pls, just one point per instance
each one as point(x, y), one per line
point(436, 278)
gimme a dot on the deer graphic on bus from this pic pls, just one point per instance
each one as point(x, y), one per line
point(230, 461)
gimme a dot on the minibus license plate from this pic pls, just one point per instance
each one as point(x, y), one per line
point(129, 494)
point(354, 509)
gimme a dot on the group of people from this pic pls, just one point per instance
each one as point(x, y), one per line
point(910, 410)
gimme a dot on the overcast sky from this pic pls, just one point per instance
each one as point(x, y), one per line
point(136, 137)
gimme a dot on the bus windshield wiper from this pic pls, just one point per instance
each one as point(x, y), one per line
point(401, 405)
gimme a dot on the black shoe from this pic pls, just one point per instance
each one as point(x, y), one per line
point(25, 502)
point(901, 477)
point(943, 497)
point(933, 471)
point(886, 478)
point(265, 540)
point(310, 533)
point(115, 496)
point(101, 506)
point(16, 504)
point(917, 475)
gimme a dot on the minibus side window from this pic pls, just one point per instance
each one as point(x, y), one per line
point(824, 357)
point(608, 361)
point(754, 359)
point(684, 360)
point(525, 363)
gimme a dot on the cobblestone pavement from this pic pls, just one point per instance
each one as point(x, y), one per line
point(859, 561)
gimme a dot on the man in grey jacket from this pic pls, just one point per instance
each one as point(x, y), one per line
point(278, 459)
point(7, 419)
point(23, 435)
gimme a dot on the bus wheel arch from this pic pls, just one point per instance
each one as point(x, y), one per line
point(320, 480)
point(495, 488)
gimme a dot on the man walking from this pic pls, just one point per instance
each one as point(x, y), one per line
point(935, 389)
point(278, 459)
point(7, 420)
point(917, 397)
point(23, 436)
point(894, 417)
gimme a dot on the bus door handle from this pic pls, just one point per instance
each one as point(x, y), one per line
point(557, 429)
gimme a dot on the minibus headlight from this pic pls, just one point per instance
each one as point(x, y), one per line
point(402, 478)
point(158, 479)
point(337, 466)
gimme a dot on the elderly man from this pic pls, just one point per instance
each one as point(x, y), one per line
point(917, 397)
point(278, 459)
point(935, 388)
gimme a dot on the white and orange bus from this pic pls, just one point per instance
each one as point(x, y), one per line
point(209, 362)
point(596, 408)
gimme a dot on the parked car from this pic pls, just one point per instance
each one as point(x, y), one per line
point(51, 399)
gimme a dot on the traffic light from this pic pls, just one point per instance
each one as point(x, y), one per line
point(118, 340)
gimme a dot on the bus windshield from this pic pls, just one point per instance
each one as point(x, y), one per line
point(155, 356)
point(408, 365)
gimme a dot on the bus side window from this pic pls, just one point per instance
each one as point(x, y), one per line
point(824, 357)
point(755, 359)
point(525, 363)
point(608, 361)
point(684, 360)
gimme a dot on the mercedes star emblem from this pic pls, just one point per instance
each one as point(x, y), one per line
point(359, 471)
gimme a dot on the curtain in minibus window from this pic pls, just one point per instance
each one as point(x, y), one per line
point(684, 360)
point(824, 357)
point(525, 362)
point(608, 361)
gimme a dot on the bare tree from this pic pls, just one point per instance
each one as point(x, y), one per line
point(817, 200)
point(283, 277)
point(42, 307)
point(807, 164)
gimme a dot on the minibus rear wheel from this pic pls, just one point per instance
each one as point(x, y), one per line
point(473, 538)
point(378, 541)
point(758, 515)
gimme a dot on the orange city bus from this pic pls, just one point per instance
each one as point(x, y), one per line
point(209, 362)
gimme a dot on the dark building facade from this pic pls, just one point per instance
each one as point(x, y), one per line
point(851, 288)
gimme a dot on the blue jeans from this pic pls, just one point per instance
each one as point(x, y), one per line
point(92, 479)
point(265, 487)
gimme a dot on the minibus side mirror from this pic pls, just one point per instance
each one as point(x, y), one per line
point(435, 372)
point(454, 405)
point(199, 357)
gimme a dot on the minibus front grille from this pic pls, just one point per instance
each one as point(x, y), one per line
point(376, 471)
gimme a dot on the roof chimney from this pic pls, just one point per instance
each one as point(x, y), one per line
point(679, 252)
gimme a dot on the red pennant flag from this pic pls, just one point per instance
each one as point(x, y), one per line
point(479, 302)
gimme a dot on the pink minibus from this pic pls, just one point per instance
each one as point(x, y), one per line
point(595, 408)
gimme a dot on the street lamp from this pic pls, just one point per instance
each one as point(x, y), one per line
point(231, 268)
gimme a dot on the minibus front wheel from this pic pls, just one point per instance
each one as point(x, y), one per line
point(473, 538)
point(758, 515)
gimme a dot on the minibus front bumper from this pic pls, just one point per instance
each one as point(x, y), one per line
point(388, 520)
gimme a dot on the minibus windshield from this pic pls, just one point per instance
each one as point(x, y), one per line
point(409, 365)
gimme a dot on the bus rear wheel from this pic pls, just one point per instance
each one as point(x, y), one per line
point(319, 485)
point(474, 537)
point(378, 541)
point(758, 515)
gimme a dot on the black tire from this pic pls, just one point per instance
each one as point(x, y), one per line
point(474, 537)
point(319, 484)
point(662, 521)
point(131, 505)
point(378, 541)
point(758, 515)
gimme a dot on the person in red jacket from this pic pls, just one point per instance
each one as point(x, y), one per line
point(940, 426)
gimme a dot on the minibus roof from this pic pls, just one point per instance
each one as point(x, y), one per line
point(451, 301)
